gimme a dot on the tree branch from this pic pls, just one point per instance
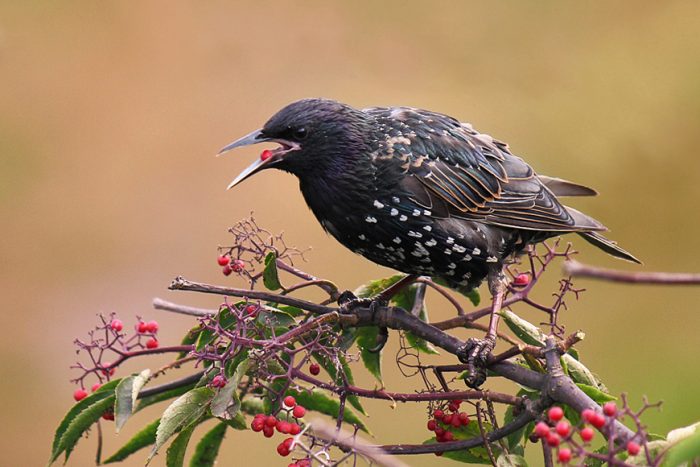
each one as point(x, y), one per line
point(576, 269)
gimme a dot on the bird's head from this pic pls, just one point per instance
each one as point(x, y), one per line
point(313, 135)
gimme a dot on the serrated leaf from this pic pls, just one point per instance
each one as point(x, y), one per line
point(104, 391)
point(320, 401)
point(175, 455)
point(145, 437)
point(595, 393)
point(367, 340)
point(79, 425)
point(208, 447)
point(511, 460)
point(126, 393)
point(184, 410)
point(337, 377)
point(523, 329)
point(580, 373)
point(163, 396)
point(226, 403)
point(406, 299)
point(271, 278)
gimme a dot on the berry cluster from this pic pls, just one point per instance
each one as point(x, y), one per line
point(556, 430)
point(230, 265)
point(143, 327)
point(443, 424)
point(268, 423)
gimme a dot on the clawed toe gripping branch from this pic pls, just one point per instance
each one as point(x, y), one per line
point(282, 360)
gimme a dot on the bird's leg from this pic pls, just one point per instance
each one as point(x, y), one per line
point(476, 352)
point(348, 301)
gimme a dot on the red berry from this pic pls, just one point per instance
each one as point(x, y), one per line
point(456, 421)
point(633, 448)
point(431, 423)
point(521, 280)
point(142, 327)
point(283, 450)
point(227, 270)
point(237, 265)
point(106, 370)
point(152, 326)
point(152, 343)
point(439, 454)
point(553, 439)
point(218, 381)
point(449, 436)
point(564, 455)
point(294, 429)
point(556, 413)
point(588, 415)
point(314, 369)
point(265, 155)
point(257, 424)
point(541, 430)
point(116, 325)
point(454, 405)
point(95, 387)
point(439, 431)
point(609, 409)
point(80, 394)
point(587, 434)
point(268, 431)
point(108, 416)
point(464, 418)
point(298, 411)
point(563, 428)
point(223, 260)
point(251, 310)
point(283, 426)
point(598, 420)
point(289, 401)
point(447, 419)
point(438, 413)
point(270, 421)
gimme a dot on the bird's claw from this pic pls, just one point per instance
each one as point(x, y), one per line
point(348, 302)
point(475, 353)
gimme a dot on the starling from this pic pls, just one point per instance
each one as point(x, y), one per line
point(422, 193)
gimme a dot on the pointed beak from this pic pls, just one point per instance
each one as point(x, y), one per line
point(266, 160)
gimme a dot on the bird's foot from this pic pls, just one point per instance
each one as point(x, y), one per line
point(348, 302)
point(475, 353)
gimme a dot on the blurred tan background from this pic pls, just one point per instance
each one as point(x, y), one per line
point(111, 113)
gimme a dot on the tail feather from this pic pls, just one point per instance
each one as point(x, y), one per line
point(561, 187)
point(608, 246)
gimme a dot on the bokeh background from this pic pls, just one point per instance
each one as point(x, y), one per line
point(110, 113)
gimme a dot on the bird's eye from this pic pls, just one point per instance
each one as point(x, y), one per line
point(300, 133)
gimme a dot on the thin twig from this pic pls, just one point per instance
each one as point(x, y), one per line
point(576, 269)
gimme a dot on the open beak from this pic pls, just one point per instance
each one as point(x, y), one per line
point(267, 159)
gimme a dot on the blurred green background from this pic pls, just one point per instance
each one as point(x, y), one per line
point(112, 111)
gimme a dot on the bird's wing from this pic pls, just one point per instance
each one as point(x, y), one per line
point(457, 172)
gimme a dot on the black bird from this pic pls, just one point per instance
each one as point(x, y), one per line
point(422, 193)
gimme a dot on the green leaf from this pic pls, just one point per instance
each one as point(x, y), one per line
point(238, 422)
point(406, 299)
point(190, 339)
point(205, 337)
point(366, 340)
point(477, 455)
point(186, 409)
point(331, 368)
point(580, 373)
point(511, 460)
point(163, 396)
point(142, 439)
point(208, 447)
point(226, 403)
point(273, 318)
point(320, 401)
point(175, 455)
point(271, 278)
point(106, 390)
point(686, 446)
point(524, 330)
point(473, 294)
point(595, 393)
point(126, 393)
point(79, 425)
point(253, 405)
